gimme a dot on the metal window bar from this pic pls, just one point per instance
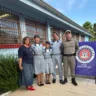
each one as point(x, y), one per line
point(34, 28)
point(9, 27)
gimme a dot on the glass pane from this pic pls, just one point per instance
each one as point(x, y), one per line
point(9, 28)
point(34, 28)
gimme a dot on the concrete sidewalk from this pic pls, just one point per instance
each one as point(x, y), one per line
point(86, 87)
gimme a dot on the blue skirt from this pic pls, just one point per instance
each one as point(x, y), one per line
point(26, 75)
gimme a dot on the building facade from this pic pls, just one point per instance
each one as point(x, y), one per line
point(20, 18)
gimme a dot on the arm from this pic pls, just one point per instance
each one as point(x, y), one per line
point(43, 48)
point(50, 51)
point(43, 51)
point(20, 56)
point(32, 47)
point(20, 63)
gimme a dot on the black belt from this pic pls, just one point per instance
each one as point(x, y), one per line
point(69, 54)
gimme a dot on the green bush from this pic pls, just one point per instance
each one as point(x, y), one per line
point(9, 74)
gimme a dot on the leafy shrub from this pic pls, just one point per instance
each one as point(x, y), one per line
point(9, 74)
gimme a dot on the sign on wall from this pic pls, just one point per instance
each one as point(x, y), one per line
point(86, 59)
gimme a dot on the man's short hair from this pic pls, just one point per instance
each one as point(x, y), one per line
point(47, 42)
point(56, 33)
point(36, 36)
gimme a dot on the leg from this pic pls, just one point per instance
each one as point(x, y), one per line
point(72, 67)
point(28, 74)
point(41, 78)
point(65, 66)
point(54, 67)
point(38, 79)
point(59, 62)
point(49, 78)
point(65, 69)
point(32, 72)
point(46, 77)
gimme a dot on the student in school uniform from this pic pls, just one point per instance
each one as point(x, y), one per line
point(39, 62)
point(48, 62)
point(57, 57)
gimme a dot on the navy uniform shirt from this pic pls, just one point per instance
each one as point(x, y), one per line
point(26, 54)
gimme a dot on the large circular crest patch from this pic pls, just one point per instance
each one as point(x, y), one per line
point(85, 54)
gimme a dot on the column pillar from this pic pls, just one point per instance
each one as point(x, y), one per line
point(22, 26)
point(79, 37)
point(48, 31)
point(61, 35)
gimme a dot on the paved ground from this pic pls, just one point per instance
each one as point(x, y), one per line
point(86, 87)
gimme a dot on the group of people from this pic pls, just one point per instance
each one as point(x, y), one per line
point(38, 59)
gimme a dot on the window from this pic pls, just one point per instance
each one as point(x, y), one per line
point(74, 36)
point(77, 37)
point(31, 30)
point(34, 28)
point(9, 27)
point(82, 38)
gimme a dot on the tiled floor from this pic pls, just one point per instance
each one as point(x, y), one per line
point(86, 87)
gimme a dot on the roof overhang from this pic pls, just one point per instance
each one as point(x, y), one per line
point(36, 10)
point(39, 5)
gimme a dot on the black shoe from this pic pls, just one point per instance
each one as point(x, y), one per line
point(61, 81)
point(34, 75)
point(54, 81)
point(42, 84)
point(74, 82)
point(65, 81)
point(47, 82)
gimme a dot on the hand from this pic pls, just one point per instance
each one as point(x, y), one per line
point(20, 67)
